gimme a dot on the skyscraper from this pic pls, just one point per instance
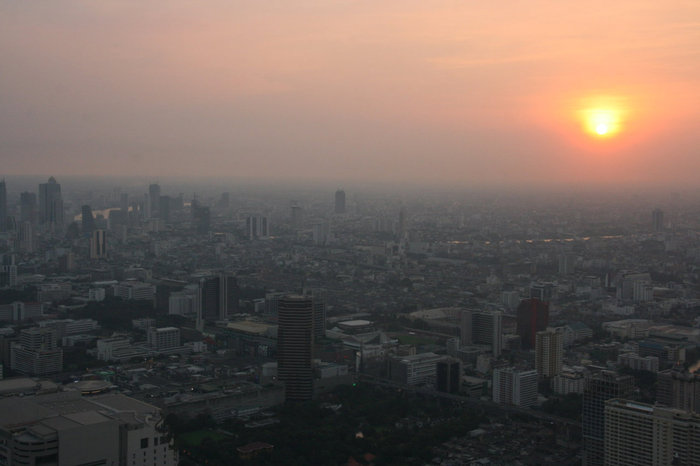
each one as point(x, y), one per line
point(295, 339)
point(50, 204)
point(3, 206)
point(219, 296)
point(27, 207)
point(257, 226)
point(87, 220)
point(201, 217)
point(657, 220)
point(532, 317)
point(549, 352)
point(340, 201)
point(600, 388)
point(98, 244)
point(154, 199)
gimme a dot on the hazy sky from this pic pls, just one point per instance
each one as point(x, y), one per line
point(436, 92)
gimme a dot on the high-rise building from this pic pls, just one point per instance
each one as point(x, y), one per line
point(549, 350)
point(449, 376)
point(25, 236)
point(657, 220)
point(37, 353)
point(201, 217)
point(678, 388)
point(257, 226)
point(340, 201)
point(51, 204)
point(154, 199)
point(27, 207)
point(164, 208)
point(3, 206)
point(566, 264)
point(219, 296)
point(482, 328)
point(124, 203)
point(640, 434)
point(600, 388)
point(295, 340)
point(514, 387)
point(98, 244)
point(87, 221)
point(297, 215)
point(164, 338)
point(532, 317)
point(319, 317)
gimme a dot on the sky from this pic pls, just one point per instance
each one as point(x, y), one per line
point(443, 93)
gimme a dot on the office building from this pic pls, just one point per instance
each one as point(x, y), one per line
point(8, 270)
point(566, 264)
point(657, 220)
point(449, 375)
point(640, 434)
point(51, 205)
point(415, 369)
point(164, 203)
point(295, 339)
point(25, 237)
point(319, 317)
point(218, 297)
point(164, 338)
point(549, 351)
point(340, 201)
point(28, 207)
point(514, 387)
point(257, 227)
point(36, 353)
point(482, 328)
point(678, 388)
point(600, 387)
point(532, 317)
point(3, 206)
point(68, 429)
point(201, 217)
point(297, 216)
point(87, 221)
point(136, 290)
point(153, 199)
point(98, 244)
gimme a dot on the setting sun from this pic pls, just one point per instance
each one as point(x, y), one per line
point(603, 122)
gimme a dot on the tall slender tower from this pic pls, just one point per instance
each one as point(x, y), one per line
point(51, 204)
point(340, 201)
point(154, 199)
point(295, 339)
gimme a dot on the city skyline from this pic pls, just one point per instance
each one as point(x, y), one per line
point(442, 94)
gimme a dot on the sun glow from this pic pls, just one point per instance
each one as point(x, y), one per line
point(602, 122)
point(602, 116)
